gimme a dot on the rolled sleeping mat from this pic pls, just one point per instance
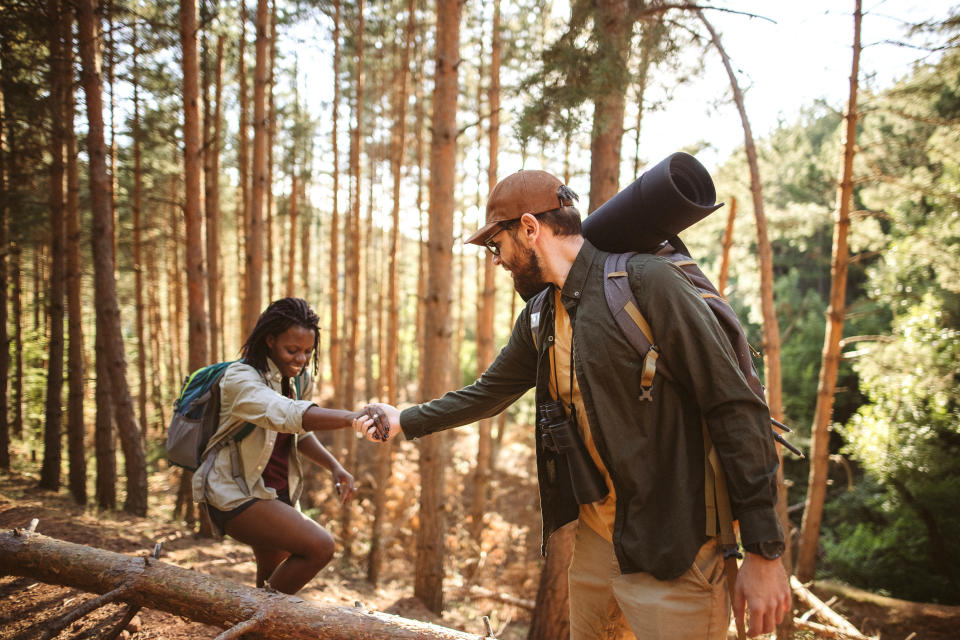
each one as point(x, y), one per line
point(658, 205)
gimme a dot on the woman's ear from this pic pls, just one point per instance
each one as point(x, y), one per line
point(271, 340)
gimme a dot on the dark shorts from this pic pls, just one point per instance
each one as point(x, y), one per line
point(219, 519)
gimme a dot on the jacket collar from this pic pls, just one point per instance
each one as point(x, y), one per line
point(273, 374)
point(577, 278)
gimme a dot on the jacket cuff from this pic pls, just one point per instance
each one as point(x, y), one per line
point(411, 423)
point(759, 525)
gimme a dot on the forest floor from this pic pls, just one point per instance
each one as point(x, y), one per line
point(505, 561)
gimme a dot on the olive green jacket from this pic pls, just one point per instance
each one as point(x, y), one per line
point(653, 449)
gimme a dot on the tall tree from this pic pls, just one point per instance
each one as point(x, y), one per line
point(351, 324)
point(830, 362)
point(59, 79)
point(197, 335)
point(334, 258)
point(138, 234)
point(108, 313)
point(771, 327)
point(485, 315)
point(4, 251)
point(76, 360)
point(401, 92)
point(211, 202)
point(243, 170)
point(428, 583)
point(254, 266)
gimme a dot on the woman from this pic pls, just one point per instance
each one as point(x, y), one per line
point(250, 485)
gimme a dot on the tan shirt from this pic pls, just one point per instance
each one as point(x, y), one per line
point(599, 515)
point(247, 395)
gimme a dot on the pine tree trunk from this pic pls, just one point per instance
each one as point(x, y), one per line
point(59, 79)
point(334, 258)
point(254, 300)
point(16, 255)
point(397, 155)
point(727, 245)
point(614, 28)
point(428, 582)
point(771, 328)
point(551, 614)
point(243, 169)
point(352, 255)
point(291, 284)
point(4, 298)
point(138, 242)
point(830, 364)
point(76, 358)
point(197, 334)
point(211, 156)
point(270, 251)
point(485, 315)
point(108, 312)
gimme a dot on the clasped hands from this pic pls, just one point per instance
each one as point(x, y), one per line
point(378, 422)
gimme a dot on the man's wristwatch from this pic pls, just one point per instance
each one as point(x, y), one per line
point(770, 549)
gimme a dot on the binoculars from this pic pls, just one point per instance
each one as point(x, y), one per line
point(559, 435)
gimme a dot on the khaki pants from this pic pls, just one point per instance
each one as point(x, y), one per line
point(607, 604)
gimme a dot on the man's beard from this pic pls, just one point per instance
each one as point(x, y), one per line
point(527, 275)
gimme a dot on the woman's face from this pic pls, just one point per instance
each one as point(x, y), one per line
point(291, 350)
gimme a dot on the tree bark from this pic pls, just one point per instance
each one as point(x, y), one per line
point(334, 258)
point(352, 257)
point(771, 328)
point(197, 334)
point(59, 79)
point(830, 360)
point(485, 314)
point(270, 252)
point(138, 240)
point(243, 169)
point(108, 312)
point(254, 299)
point(398, 141)
point(211, 201)
point(727, 245)
point(614, 27)
point(551, 614)
point(76, 358)
point(428, 583)
point(145, 582)
point(4, 297)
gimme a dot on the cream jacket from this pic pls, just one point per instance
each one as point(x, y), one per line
point(233, 475)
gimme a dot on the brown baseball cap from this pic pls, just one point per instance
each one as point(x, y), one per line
point(519, 193)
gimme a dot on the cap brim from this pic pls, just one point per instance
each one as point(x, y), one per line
point(483, 233)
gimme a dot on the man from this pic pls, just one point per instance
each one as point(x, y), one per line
point(642, 551)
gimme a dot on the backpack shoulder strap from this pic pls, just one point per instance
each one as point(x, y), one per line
point(626, 312)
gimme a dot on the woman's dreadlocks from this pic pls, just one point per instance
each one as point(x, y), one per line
point(277, 318)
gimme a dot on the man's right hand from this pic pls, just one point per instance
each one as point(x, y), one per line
point(379, 422)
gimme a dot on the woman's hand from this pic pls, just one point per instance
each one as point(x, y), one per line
point(344, 484)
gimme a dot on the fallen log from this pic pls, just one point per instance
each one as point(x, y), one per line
point(824, 612)
point(822, 630)
point(200, 597)
point(506, 598)
point(904, 607)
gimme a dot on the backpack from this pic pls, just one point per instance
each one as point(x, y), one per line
point(196, 417)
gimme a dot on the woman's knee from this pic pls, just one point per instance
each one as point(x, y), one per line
point(321, 548)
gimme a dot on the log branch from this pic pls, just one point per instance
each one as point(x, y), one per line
point(824, 612)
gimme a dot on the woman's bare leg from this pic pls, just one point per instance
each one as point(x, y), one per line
point(271, 525)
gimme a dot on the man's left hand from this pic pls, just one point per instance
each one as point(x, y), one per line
point(763, 588)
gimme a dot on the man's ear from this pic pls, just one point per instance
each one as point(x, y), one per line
point(530, 226)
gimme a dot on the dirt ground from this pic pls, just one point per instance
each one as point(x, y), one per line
point(26, 604)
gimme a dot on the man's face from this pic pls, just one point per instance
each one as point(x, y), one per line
point(522, 263)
